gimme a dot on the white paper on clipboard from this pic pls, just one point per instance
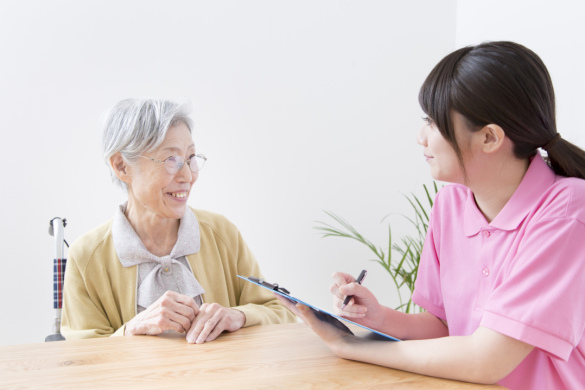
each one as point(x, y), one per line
point(323, 315)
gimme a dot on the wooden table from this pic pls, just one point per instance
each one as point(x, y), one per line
point(262, 357)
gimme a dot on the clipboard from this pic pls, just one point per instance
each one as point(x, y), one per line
point(323, 315)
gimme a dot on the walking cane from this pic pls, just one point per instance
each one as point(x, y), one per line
point(57, 229)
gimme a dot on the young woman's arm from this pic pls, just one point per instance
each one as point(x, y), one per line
point(483, 357)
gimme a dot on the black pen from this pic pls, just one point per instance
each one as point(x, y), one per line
point(359, 280)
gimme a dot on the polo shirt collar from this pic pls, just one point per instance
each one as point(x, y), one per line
point(538, 178)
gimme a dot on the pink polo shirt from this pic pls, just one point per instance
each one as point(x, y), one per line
point(522, 275)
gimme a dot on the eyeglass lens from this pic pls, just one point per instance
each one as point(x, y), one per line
point(174, 164)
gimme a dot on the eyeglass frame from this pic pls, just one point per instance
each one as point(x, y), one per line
point(199, 168)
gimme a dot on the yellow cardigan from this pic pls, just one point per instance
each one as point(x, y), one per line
point(100, 294)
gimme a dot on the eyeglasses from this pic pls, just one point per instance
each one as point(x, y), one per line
point(174, 164)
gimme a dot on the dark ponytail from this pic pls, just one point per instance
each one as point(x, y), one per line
point(506, 84)
point(566, 159)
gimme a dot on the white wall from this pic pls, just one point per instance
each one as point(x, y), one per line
point(301, 106)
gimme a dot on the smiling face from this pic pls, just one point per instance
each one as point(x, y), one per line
point(152, 191)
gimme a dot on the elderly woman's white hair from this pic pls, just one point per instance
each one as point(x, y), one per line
point(136, 126)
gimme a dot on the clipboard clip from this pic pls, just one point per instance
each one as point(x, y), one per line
point(272, 286)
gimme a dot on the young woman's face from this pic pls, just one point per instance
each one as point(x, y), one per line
point(439, 153)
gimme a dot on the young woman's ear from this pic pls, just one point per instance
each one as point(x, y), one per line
point(492, 138)
point(120, 167)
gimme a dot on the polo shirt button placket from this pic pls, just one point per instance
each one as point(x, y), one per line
point(485, 271)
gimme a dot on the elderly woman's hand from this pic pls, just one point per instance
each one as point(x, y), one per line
point(213, 319)
point(172, 311)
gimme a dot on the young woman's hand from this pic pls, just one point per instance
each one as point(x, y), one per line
point(363, 308)
point(336, 337)
point(172, 311)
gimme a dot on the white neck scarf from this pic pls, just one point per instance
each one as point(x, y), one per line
point(168, 272)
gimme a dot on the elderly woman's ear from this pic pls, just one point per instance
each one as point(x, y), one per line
point(120, 167)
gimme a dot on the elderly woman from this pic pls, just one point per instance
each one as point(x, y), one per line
point(160, 265)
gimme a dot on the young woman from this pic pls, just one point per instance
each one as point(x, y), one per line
point(502, 273)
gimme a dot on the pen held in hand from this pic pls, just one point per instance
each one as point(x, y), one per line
point(359, 280)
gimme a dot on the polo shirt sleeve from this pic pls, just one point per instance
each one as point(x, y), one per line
point(536, 299)
point(428, 281)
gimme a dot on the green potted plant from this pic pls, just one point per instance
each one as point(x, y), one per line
point(399, 259)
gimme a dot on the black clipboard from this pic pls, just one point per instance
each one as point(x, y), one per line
point(323, 315)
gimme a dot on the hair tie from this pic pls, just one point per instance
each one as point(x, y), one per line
point(553, 141)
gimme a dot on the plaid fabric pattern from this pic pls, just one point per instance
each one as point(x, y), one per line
point(58, 279)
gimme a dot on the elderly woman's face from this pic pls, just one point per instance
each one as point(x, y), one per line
point(152, 188)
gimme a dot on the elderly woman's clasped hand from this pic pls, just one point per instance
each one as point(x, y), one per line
point(180, 313)
point(213, 319)
point(172, 311)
